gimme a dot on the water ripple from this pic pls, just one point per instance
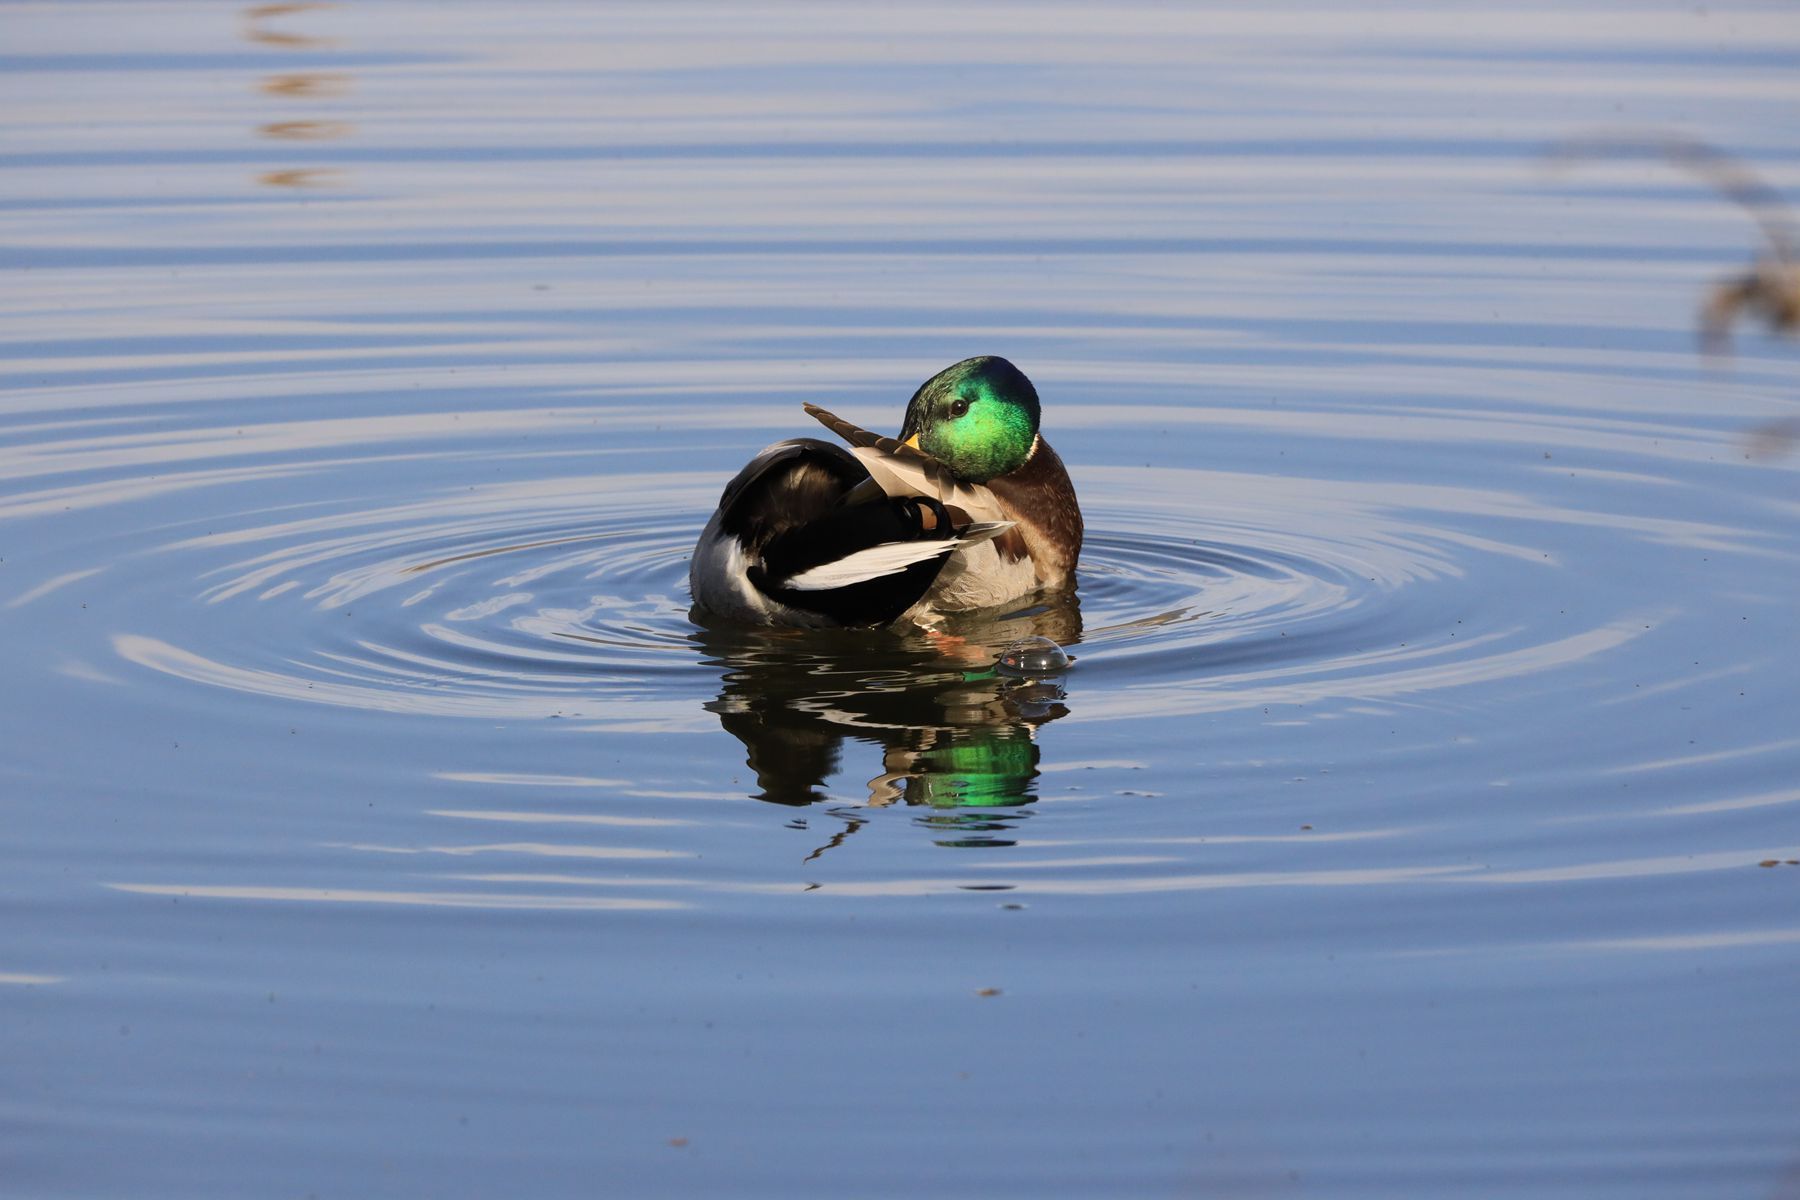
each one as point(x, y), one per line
point(566, 596)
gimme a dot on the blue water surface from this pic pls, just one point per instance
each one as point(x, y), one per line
point(1420, 815)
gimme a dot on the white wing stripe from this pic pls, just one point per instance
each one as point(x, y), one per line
point(889, 558)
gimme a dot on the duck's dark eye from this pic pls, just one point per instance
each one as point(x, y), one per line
point(960, 407)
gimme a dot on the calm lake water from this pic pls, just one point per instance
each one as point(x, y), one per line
point(1419, 816)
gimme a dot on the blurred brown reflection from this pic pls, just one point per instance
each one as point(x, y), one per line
point(307, 85)
point(954, 735)
point(1775, 438)
point(301, 86)
point(305, 131)
point(1788, 1186)
point(305, 177)
point(259, 25)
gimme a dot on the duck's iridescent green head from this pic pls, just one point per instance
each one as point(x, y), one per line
point(979, 418)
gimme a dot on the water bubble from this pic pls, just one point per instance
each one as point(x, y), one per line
point(1033, 656)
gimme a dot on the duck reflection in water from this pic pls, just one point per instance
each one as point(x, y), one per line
point(955, 735)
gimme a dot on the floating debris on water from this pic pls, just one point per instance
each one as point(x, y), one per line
point(1770, 290)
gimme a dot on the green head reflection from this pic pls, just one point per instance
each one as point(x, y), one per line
point(993, 768)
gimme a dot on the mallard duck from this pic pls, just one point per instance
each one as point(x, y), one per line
point(969, 507)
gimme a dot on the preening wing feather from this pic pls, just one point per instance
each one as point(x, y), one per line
point(901, 470)
point(856, 435)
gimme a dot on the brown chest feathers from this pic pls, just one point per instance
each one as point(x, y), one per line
point(1041, 499)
